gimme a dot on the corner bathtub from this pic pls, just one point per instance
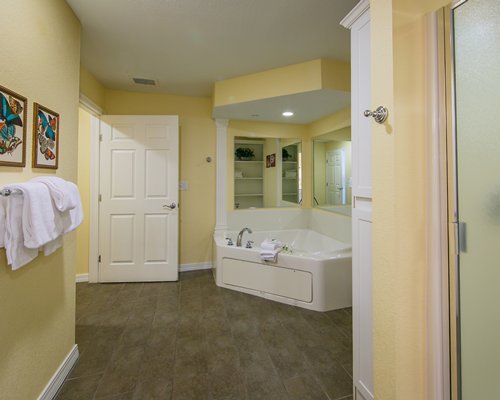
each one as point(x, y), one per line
point(316, 274)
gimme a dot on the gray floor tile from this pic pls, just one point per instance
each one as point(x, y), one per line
point(193, 340)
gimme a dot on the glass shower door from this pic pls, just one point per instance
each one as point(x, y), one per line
point(476, 27)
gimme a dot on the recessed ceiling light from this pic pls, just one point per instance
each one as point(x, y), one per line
point(287, 114)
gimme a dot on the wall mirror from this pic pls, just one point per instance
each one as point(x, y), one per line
point(267, 172)
point(332, 171)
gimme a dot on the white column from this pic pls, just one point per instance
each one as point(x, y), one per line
point(221, 179)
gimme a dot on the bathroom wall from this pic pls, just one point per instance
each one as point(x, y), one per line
point(197, 141)
point(41, 58)
point(91, 87)
point(399, 190)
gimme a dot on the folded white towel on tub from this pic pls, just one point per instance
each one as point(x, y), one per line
point(272, 244)
point(270, 255)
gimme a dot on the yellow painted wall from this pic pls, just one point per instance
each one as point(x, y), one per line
point(197, 141)
point(334, 122)
point(37, 303)
point(297, 78)
point(82, 234)
point(91, 87)
point(399, 189)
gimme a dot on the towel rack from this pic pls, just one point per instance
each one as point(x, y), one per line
point(8, 192)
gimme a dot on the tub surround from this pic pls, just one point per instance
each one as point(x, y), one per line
point(314, 272)
point(335, 226)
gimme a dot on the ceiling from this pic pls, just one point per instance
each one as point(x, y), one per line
point(187, 45)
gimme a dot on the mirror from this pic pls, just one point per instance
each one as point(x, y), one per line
point(267, 172)
point(332, 171)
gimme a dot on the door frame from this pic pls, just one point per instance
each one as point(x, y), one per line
point(95, 113)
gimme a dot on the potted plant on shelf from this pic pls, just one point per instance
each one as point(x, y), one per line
point(284, 154)
point(244, 153)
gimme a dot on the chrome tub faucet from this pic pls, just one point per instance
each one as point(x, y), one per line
point(240, 236)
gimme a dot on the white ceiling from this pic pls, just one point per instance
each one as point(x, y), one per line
point(187, 45)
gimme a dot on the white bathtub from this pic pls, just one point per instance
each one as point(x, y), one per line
point(316, 275)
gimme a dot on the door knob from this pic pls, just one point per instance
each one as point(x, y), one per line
point(379, 115)
point(171, 206)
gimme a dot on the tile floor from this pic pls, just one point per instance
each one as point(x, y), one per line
point(191, 340)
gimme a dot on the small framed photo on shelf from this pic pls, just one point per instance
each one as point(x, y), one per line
point(12, 128)
point(271, 161)
point(45, 137)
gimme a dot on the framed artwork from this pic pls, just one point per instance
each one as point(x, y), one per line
point(271, 161)
point(12, 128)
point(45, 137)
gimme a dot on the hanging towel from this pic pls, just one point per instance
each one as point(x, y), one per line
point(3, 205)
point(66, 198)
point(17, 253)
point(62, 192)
point(40, 222)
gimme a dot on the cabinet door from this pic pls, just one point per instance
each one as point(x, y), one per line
point(361, 100)
point(362, 312)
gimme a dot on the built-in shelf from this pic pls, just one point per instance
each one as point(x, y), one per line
point(249, 180)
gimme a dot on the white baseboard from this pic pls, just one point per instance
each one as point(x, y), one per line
point(82, 278)
point(195, 266)
point(60, 375)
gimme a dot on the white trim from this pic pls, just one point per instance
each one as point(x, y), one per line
point(94, 200)
point(89, 105)
point(195, 266)
point(221, 179)
point(82, 278)
point(355, 13)
point(438, 367)
point(60, 375)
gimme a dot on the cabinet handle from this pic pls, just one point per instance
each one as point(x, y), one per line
point(379, 115)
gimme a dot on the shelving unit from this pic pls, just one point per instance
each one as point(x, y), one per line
point(249, 187)
point(290, 183)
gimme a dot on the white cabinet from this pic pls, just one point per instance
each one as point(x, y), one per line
point(358, 21)
point(248, 174)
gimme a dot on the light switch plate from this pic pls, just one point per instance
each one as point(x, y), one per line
point(183, 185)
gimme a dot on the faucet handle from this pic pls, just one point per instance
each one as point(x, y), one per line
point(229, 241)
point(249, 244)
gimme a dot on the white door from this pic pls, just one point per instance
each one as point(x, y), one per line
point(138, 211)
point(335, 177)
